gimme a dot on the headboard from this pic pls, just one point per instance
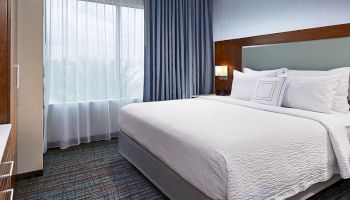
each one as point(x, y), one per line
point(309, 49)
point(308, 55)
point(323, 54)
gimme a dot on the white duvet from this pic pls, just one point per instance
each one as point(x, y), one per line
point(232, 149)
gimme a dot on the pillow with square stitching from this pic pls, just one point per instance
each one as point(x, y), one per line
point(270, 91)
point(276, 72)
point(243, 85)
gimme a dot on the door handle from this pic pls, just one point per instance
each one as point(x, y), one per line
point(17, 75)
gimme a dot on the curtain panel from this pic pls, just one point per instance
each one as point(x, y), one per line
point(179, 49)
point(94, 60)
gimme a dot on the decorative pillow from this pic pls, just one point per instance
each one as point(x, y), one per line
point(340, 102)
point(311, 93)
point(276, 72)
point(243, 85)
point(270, 91)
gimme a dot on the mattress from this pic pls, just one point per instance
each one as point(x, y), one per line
point(230, 151)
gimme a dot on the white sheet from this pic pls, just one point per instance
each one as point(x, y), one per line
point(231, 149)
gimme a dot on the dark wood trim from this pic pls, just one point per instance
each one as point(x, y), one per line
point(5, 48)
point(29, 175)
point(7, 93)
point(229, 52)
point(327, 32)
point(336, 31)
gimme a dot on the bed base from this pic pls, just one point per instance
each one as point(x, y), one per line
point(167, 181)
point(172, 184)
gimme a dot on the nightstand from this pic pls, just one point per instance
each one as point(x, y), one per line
point(195, 96)
point(221, 92)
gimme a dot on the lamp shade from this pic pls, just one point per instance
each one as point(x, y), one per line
point(221, 70)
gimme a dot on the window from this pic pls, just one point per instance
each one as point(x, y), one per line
point(94, 50)
point(93, 66)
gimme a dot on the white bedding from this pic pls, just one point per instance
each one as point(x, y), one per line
point(231, 149)
point(345, 118)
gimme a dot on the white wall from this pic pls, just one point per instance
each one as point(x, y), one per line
point(243, 18)
point(30, 93)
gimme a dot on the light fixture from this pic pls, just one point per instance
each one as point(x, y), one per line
point(221, 72)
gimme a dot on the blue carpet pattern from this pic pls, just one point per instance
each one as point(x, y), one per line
point(88, 171)
point(97, 171)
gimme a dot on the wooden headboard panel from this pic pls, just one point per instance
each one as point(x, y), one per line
point(229, 52)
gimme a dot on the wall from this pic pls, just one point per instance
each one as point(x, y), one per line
point(243, 18)
point(30, 93)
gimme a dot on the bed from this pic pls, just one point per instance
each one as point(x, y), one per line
point(215, 147)
point(247, 154)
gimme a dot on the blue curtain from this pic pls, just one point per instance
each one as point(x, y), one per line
point(179, 49)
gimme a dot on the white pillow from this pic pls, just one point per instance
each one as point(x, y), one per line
point(270, 91)
point(340, 102)
point(276, 72)
point(311, 93)
point(243, 85)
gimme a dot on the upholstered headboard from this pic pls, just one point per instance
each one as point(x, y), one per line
point(320, 48)
point(308, 55)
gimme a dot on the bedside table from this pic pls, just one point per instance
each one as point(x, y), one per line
point(195, 96)
point(220, 92)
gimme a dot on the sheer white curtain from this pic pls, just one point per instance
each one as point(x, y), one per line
point(94, 53)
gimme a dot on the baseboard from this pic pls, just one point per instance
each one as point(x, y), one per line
point(29, 175)
point(85, 140)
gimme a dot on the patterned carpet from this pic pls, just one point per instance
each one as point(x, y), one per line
point(87, 171)
point(98, 171)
